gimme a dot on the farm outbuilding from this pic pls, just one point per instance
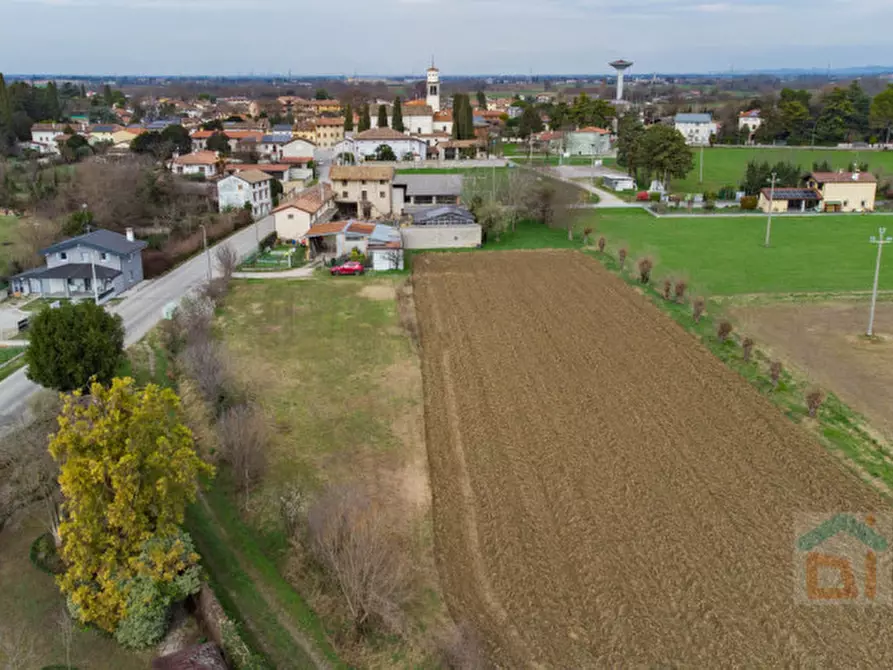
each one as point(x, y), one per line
point(789, 200)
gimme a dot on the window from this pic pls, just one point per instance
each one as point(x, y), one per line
point(130, 275)
point(63, 256)
point(381, 195)
point(84, 256)
point(863, 203)
point(103, 256)
point(382, 182)
point(344, 194)
point(363, 182)
point(291, 216)
point(364, 196)
point(846, 203)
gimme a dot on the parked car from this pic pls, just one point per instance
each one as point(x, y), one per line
point(348, 268)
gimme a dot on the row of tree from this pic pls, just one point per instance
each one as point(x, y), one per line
point(659, 151)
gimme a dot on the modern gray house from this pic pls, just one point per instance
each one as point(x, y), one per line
point(114, 260)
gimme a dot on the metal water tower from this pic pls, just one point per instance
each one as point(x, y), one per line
point(620, 66)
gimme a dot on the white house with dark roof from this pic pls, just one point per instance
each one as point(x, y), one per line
point(111, 260)
point(697, 129)
point(363, 145)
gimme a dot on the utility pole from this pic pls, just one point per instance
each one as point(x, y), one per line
point(771, 205)
point(880, 241)
point(701, 174)
point(207, 251)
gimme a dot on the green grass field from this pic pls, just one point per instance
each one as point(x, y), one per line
point(725, 166)
point(7, 233)
point(725, 256)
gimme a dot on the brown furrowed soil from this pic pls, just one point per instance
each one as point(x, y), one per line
point(607, 493)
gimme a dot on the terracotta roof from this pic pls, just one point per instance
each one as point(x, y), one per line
point(309, 200)
point(417, 110)
point(361, 173)
point(253, 176)
point(330, 121)
point(330, 228)
point(444, 115)
point(461, 144)
point(594, 129)
point(381, 134)
point(491, 113)
point(296, 160)
point(415, 103)
point(844, 177)
point(360, 227)
point(437, 133)
point(197, 158)
point(263, 167)
point(751, 113)
point(550, 135)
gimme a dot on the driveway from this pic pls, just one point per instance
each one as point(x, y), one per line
point(9, 318)
point(143, 307)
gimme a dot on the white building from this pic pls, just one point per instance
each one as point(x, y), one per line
point(44, 136)
point(297, 148)
point(197, 163)
point(696, 128)
point(433, 97)
point(362, 145)
point(247, 186)
point(749, 121)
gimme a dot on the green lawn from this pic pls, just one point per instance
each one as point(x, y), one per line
point(8, 353)
point(724, 256)
point(725, 166)
point(7, 233)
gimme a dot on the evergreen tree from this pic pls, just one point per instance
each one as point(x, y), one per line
point(382, 116)
point(53, 108)
point(629, 144)
point(348, 118)
point(108, 95)
point(365, 119)
point(530, 122)
point(5, 104)
point(468, 120)
point(83, 91)
point(665, 153)
point(397, 121)
point(457, 116)
point(482, 100)
point(882, 111)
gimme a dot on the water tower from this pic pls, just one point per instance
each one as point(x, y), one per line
point(621, 66)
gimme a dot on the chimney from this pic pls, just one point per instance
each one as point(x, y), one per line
point(129, 233)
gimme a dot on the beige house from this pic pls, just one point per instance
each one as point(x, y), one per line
point(329, 131)
point(845, 191)
point(310, 207)
point(363, 191)
point(782, 200)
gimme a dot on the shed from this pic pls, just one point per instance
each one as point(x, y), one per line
point(789, 199)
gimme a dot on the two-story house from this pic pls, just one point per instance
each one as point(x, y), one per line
point(197, 163)
point(99, 264)
point(845, 191)
point(363, 191)
point(310, 207)
point(243, 187)
point(44, 136)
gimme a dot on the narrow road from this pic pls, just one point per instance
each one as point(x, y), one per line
point(142, 308)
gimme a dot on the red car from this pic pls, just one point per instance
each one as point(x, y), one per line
point(348, 268)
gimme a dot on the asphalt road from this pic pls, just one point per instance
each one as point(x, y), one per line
point(141, 309)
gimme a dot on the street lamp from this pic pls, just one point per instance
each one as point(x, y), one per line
point(880, 241)
point(207, 251)
point(771, 204)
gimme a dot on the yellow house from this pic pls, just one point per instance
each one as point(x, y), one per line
point(845, 191)
point(329, 131)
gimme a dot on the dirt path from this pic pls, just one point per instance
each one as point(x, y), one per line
point(606, 493)
point(270, 598)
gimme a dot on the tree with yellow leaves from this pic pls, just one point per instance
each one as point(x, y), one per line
point(128, 468)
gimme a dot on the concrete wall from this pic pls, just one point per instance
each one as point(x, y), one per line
point(441, 237)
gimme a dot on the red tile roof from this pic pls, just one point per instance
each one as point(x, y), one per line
point(309, 200)
point(844, 177)
point(197, 158)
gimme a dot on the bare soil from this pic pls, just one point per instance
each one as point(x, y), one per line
point(606, 493)
point(826, 342)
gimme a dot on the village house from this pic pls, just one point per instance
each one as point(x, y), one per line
point(328, 131)
point(310, 207)
point(111, 260)
point(238, 140)
point(283, 172)
point(363, 145)
point(443, 121)
point(363, 191)
point(337, 239)
point(461, 149)
point(845, 191)
point(298, 148)
point(197, 163)
point(44, 136)
point(781, 200)
point(270, 146)
point(749, 122)
point(697, 129)
point(246, 187)
point(589, 141)
point(425, 190)
point(102, 133)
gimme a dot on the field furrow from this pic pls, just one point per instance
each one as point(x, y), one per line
point(605, 491)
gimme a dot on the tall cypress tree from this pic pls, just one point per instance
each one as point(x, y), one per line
point(382, 116)
point(397, 121)
point(348, 118)
point(457, 116)
point(5, 104)
point(468, 121)
point(365, 120)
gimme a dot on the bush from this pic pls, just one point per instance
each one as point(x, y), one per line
point(654, 197)
point(749, 202)
point(814, 400)
point(709, 205)
point(357, 256)
point(267, 242)
point(44, 556)
point(724, 330)
point(667, 288)
point(697, 308)
point(660, 208)
point(73, 343)
point(645, 266)
point(147, 615)
point(642, 196)
point(727, 193)
point(621, 256)
point(243, 433)
point(775, 372)
point(679, 290)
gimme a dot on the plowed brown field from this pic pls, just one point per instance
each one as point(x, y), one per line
point(606, 492)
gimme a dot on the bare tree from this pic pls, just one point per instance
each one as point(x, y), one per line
point(601, 244)
point(775, 372)
point(66, 633)
point(244, 435)
point(621, 256)
point(227, 260)
point(204, 363)
point(747, 347)
point(679, 290)
point(697, 308)
point(724, 330)
point(645, 266)
point(357, 542)
point(814, 399)
point(17, 647)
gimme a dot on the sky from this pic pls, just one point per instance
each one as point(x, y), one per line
point(387, 37)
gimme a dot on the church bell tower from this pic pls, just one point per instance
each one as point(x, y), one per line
point(433, 97)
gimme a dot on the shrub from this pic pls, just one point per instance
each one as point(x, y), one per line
point(267, 241)
point(697, 308)
point(814, 400)
point(44, 556)
point(621, 256)
point(709, 205)
point(243, 434)
point(642, 196)
point(357, 255)
point(654, 197)
point(747, 346)
point(749, 202)
point(147, 615)
point(775, 372)
point(660, 208)
point(645, 265)
point(587, 233)
point(679, 290)
point(727, 193)
point(601, 244)
point(667, 288)
point(724, 330)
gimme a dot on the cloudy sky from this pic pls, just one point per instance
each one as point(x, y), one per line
point(337, 37)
